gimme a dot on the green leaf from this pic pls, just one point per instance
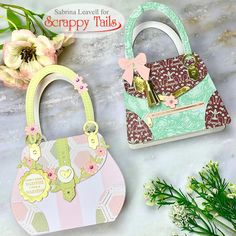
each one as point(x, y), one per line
point(1, 46)
point(38, 166)
point(19, 166)
point(3, 30)
point(12, 16)
point(27, 21)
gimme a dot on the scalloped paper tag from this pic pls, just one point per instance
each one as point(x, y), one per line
point(34, 185)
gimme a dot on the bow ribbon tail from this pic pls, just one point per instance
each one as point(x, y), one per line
point(143, 71)
point(128, 75)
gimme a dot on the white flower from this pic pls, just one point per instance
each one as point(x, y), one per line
point(189, 185)
point(13, 78)
point(180, 216)
point(232, 187)
point(232, 190)
point(149, 190)
point(61, 40)
point(214, 190)
point(212, 164)
point(28, 53)
point(231, 195)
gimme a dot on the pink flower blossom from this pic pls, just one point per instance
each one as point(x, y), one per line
point(51, 174)
point(13, 78)
point(61, 41)
point(81, 87)
point(78, 80)
point(90, 167)
point(28, 161)
point(24, 55)
point(170, 101)
point(31, 130)
point(101, 151)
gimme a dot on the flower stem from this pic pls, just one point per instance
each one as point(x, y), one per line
point(12, 23)
point(30, 17)
point(225, 226)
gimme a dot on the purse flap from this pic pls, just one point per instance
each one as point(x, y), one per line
point(169, 75)
point(65, 162)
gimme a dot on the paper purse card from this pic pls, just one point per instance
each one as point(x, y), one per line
point(68, 182)
point(169, 99)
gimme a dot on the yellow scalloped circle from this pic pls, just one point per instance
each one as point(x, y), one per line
point(34, 185)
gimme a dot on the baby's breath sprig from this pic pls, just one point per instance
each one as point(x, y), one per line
point(215, 197)
point(185, 212)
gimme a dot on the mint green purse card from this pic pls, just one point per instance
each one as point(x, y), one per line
point(169, 99)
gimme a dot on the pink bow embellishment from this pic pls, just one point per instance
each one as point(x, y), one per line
point(138, 64)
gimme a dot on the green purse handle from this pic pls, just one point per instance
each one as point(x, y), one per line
point(165, 10)
point(35, 90)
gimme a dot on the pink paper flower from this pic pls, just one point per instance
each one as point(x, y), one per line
point(28, 161)
point(170, 101)
point(51, 174)
point(31, 130)
point(90, 167)
point(78, 80)
point(101, 151)
point(81, 87)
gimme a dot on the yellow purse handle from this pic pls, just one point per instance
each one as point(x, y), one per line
point(32, 94)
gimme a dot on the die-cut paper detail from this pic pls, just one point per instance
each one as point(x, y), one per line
point(138, 64)
point(91, 167)
point(34, 185)
point(170, 101)
point(65, 174)
point(51, 174)
point(79, 85)
point(101, 151)
point(31, 130)
point(30, 164)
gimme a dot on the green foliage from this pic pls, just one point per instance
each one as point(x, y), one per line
point(21, 18)
point(13, 18)
point(4, 30)
point(209, 196)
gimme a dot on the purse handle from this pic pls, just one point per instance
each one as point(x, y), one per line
point(37, 85)
point(163, 27)
point(162, 8)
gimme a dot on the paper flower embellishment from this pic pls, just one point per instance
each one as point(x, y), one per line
point(91, 167)
point(31, 130)
point(101, 151)
point(170, 101)
point(138, 64)
point(51, 174)
point(80, 85)
point(28, 161)
point(34, 185)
